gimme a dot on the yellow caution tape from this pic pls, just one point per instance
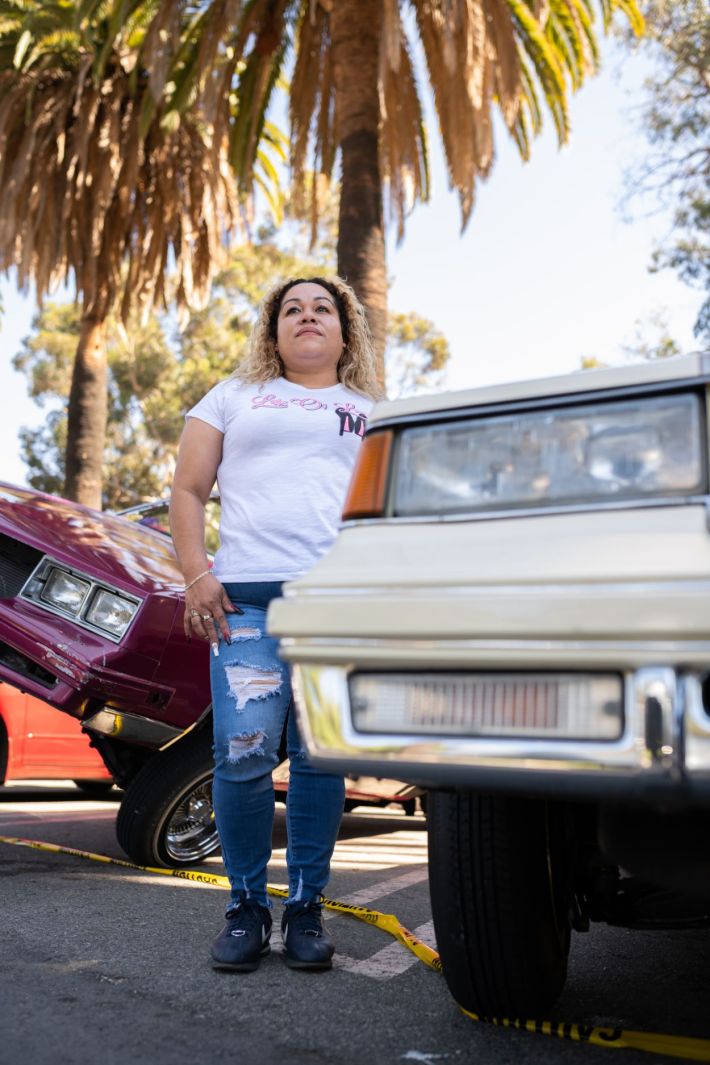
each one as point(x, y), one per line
point(386, 921)
point(675, 1046)
point(54, 848)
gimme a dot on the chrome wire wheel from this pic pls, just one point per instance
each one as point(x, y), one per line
point(166, 817)
point(191, 831)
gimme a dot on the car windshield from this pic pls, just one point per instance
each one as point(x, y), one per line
point(155, 516)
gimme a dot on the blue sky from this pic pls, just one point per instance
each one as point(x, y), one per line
point(546, 273)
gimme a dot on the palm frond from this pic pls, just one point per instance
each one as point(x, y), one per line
point(132, 130)
point(463, 89)
point(391, 49)
point(405, 162)
point(507, 64)
point(116, 19)
point(312, 112)
point(82, 193)
point(565, 31)
point(311, 52)
point(537, 46)
point(255, 85)
point(586, 22)
point(633, 14)
point(529, 100)
point(160, 43)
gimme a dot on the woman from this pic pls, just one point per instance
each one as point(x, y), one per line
point(281, 437)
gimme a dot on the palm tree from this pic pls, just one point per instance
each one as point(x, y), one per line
point(101, 184)
point(354, 97)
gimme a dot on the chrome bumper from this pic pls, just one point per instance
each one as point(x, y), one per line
point(664, 747)
point(130, 727)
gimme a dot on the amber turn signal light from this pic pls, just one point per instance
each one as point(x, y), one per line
point(366, 495)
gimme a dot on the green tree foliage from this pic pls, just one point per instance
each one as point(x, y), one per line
point(416, 355)
point(676, 119)
point(157, 372)
point(652, 340)
point(103, 185)
point(140, 428)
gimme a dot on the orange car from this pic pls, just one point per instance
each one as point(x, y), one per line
point(38, 742)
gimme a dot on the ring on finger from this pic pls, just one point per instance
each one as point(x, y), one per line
point(206, 617)
point(194, 613)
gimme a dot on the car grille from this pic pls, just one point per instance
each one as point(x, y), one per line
point(25, 667)
point(17, 561)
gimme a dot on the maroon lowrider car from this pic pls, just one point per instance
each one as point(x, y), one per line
point(91, 622)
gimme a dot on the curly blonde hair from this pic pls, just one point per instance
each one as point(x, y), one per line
point(356, 368)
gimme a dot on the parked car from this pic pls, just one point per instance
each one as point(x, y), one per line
point(91, 616)
point(37, 743)
point(516, 616)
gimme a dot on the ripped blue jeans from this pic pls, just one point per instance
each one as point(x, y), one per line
point(251, 703)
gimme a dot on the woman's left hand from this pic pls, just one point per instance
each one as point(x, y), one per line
point(206, 604)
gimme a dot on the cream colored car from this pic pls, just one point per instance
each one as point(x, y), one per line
point(516, 616)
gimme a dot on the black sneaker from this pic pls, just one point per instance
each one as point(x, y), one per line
point(306, 942)
point(244, 940)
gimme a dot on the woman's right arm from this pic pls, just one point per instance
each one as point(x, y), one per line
point(195, 474)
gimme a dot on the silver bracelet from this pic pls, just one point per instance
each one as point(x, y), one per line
point(196, 579)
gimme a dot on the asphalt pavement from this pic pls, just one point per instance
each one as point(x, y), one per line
point(108, 965)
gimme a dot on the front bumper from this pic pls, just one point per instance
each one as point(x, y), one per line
point(624, 593)
point(39, 655)
point(130, 728)
point(664, 748)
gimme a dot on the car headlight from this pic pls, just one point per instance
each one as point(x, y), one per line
point(111, 612)
point(603, 451)
point(78, 596)
point(65, 591)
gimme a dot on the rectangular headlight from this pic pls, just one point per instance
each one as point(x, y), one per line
point(78, 596)
point(546, 706)
point(65, 591)
point(111, 612)
point(603, 451)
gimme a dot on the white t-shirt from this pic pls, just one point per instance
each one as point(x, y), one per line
point(287, 457)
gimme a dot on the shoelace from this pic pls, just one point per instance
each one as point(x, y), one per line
point(307, 920)
point(246, 916)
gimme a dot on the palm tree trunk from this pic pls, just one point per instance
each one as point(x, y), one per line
point(88, 406)
point(356, 27)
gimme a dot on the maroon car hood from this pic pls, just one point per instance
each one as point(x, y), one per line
point(103, 545)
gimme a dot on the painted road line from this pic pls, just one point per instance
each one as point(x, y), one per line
point(386, 853)
point(389, 962)
point(379, 890)
point(55, 811)
point(688, 1047)
point(23, 818)
point(276, 940)
point(385, 887)
point(381, 853)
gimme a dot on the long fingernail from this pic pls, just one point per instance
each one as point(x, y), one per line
point(238, 610)
point(215, 650)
